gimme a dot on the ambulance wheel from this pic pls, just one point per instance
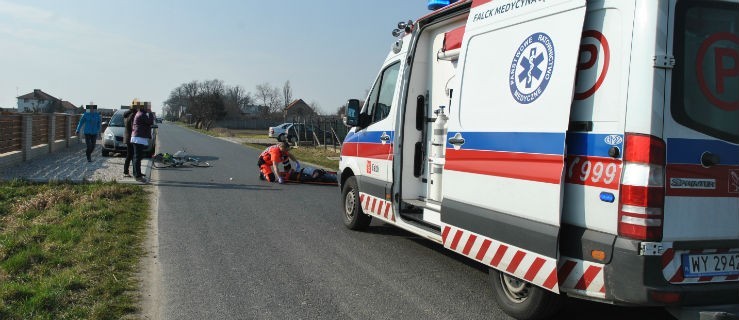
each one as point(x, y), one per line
point(523, 300)
point(354, 217)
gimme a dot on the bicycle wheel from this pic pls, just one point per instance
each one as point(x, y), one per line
point(162, 164)
point(158, 164)
point(198, 163)
point(195, 162)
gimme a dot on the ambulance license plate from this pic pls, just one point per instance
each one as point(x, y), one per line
point(711, 264)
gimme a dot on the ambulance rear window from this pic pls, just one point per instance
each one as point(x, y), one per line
point(705, 93)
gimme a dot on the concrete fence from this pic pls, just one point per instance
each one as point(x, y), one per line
point(27, 136)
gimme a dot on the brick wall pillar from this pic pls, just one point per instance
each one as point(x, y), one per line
point(27, 138)
point(52, 131)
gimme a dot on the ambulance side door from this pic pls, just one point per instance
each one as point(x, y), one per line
point(503, 175)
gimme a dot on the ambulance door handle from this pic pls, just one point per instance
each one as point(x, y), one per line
point(385, 137)
point(457, 141)
point(709, 159)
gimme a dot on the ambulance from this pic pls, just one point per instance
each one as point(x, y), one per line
point(581, 149)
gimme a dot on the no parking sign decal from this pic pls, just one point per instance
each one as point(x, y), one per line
point(718, 56)
point(590, 76)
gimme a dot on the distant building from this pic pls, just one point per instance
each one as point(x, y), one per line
point(39, 101)
point(36, 101)
point(69, 108)
point(298, 109)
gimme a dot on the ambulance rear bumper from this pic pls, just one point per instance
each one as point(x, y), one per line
point(634, 279)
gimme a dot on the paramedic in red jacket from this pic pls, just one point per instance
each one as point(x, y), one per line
point(270, 157)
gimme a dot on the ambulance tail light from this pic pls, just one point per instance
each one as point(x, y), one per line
point(642, 197)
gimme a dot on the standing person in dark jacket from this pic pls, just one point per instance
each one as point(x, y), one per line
point(92, 122)
point(140, 136)
point(128, 117)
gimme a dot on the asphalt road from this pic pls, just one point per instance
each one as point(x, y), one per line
point(234, 247)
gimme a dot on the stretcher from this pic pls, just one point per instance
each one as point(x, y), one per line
point(310, 175)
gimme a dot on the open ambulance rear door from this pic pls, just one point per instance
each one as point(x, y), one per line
point(503, 179)
point(701, 134)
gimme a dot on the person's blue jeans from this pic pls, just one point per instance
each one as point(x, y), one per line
point(138, 154)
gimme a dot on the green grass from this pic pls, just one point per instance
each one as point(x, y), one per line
point(70, 251)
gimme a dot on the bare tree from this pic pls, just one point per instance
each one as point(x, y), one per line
point(236, 99)
point(263, 95)
point(316, 107)
point(203, 101)
point(268, 97)
point(341, 110)
point(275, 102)
point(287, 94)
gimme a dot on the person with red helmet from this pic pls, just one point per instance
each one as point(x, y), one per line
point(270, 157)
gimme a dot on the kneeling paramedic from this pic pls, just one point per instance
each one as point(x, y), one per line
point(270, 157)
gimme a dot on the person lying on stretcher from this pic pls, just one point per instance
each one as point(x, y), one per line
point(311, 176)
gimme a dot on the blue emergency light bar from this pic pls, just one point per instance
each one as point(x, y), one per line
point(437, 4)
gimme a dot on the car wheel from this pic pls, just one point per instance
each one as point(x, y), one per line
point(281, 137)
point(105, 153)
point(521, 299)
point(292, 139)
point(354, 217)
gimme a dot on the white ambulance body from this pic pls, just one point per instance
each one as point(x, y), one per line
point(586, 148)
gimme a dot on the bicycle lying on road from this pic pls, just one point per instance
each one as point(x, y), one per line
point(178, 159)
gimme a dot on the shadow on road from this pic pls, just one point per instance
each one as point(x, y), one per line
point(573, 308)
point(211, 185)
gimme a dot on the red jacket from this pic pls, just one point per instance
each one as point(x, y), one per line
point(270, 154)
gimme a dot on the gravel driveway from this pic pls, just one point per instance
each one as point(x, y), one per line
point(70, 164)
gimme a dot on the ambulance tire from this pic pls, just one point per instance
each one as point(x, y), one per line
point(523, 300)
point(354, 217)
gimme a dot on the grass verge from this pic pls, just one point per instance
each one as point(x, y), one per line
point(70, 251)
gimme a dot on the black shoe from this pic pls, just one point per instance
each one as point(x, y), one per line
point(126, 174)
point(261, 176)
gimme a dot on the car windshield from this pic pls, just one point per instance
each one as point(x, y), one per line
point(116, 120)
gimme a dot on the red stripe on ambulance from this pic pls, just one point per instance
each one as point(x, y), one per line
point(376, 207)
point(584, 277)
point(535, 268)
point(545, 168)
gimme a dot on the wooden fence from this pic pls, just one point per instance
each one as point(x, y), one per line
point(11, 132)
point(26, 136)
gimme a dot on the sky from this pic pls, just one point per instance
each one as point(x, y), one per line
point(110, 52)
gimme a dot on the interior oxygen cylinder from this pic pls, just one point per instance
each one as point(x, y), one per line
point(438, 150)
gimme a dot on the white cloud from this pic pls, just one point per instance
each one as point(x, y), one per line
point(25, 13)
